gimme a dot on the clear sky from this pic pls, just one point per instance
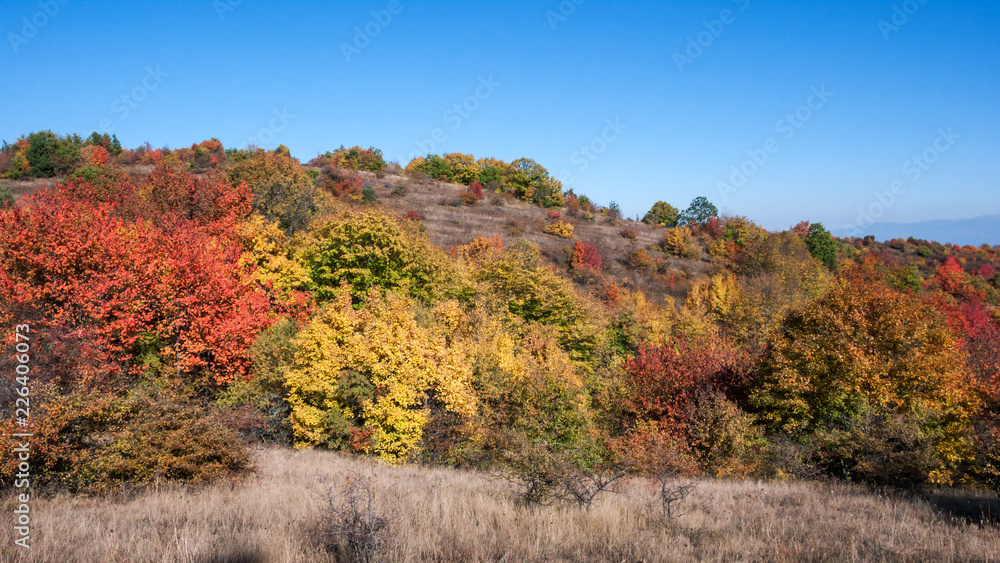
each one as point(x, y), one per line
point(823, 105)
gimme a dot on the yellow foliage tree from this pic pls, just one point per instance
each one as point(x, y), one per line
point(368, 379)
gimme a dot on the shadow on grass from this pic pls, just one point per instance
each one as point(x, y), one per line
point(241, 556)
point(976, 507)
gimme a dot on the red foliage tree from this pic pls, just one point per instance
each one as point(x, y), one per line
point(476, 189)
point(950, 276)
point(585, 257)
point(664, 380)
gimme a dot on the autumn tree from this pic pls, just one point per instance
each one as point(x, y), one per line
point(370, 248)
point(662, 214)
point(282, 191)
point(363, 379)
point(863, 350)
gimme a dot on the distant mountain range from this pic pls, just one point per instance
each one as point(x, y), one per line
point(975, 231)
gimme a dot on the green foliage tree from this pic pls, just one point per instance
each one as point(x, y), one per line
point(51, 155)
point(698, 212)
point(662, 214)
point(822, 246)
point(367, 248)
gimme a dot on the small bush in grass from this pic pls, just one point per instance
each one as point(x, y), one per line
point(543, 474)
point(561, 229)
point(413, 215)
point(368, 195)
point(399, 190)
point(468, 198)
point(629, 233)
point(554, 214)
point(639, 260)
point(476, 189)
point(354, 527)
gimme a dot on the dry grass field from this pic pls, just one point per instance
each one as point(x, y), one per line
point(446, 515)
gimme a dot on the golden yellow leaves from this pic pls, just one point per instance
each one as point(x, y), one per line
point(408, 366)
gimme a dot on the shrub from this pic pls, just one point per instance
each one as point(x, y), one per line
point(662, 214)
point(639, 260)
point(354, 158)
point(468, 198)
point(554, 214)
point(614, 213)
point(413, 215)
point(629, 233)
point(6, 197)
point(94, 441)
point(863, 348)
point(368, 247)
point(476, 189)
point(94, 155)
point(354, 526)
point(368, 195)
point(364, 379)
point(678, 242)
point(585, 257)
point(561, 229)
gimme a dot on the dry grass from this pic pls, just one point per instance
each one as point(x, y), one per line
point(446, 515)
point(453, 225)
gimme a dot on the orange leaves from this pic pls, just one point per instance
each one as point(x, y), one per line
point(862, 345)
point(79, 265)
point(950, 276)
point(94, 155)
point(585, 257)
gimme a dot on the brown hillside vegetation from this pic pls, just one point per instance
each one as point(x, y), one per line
point(447, 515)
point(450, 223)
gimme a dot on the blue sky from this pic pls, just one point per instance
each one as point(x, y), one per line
point(780, 111)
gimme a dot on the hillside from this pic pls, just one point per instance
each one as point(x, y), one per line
point(176, 310)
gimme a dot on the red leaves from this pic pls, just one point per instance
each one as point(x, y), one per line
point(664, 379)
point(585, 257)
point(160, 259)
point(950, 276)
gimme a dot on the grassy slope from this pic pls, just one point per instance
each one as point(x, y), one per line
point(448, 515)
point(451, 224)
